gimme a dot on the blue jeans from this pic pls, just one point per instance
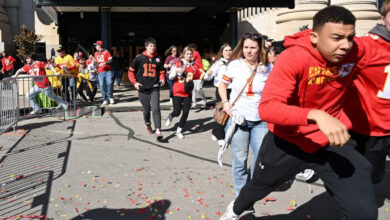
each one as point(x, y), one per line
point(118, 75)
point(49, 92)
point(250, 133)
point(105, 82)
point(170, 84)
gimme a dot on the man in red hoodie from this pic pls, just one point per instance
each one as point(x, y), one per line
point(302, 103)
point(147, 75)
point(369, 98)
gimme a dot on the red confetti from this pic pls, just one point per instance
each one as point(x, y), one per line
point(62, 198)
point(218, 213)
point(290, 208)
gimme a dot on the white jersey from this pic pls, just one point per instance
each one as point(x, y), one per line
point(218, 69)
point(237, 74)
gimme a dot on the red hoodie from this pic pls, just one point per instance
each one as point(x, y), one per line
point(301, 80)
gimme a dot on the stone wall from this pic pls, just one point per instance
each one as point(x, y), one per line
point(277, 23)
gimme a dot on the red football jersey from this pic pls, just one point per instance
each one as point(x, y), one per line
point(103, 57)
point(191, 72)
point(38, 69)
point(368, 101)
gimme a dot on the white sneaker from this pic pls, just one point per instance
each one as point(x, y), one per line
point(179, 135)
point(229, 214)
point(112, 101)
point(213, 138)
point(221, 142)
point(35, 111)
point(168, 120)
point(193, 105)
point(305, 175)
point(105, 102)
point(65, 106)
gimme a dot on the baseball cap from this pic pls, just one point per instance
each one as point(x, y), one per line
point(99, 42)
point(60, 49)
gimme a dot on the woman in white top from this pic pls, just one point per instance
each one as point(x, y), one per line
point(216, 71)
point(248, 54)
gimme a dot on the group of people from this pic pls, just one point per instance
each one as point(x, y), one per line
point(325, 103)
point(318, 100)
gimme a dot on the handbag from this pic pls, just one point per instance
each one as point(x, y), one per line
point(220, 116)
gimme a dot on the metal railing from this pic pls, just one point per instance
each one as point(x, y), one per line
point(9, 110)
point(38, 95)
point(51, 97)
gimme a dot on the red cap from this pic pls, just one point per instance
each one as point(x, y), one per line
point(99, 42)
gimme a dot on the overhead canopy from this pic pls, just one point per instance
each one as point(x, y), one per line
point(159, 5)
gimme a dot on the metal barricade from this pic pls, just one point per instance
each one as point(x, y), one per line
point(9, 110)
point(46, 98)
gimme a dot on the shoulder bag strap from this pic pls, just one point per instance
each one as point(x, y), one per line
point(247, 82)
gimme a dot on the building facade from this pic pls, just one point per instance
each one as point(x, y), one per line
point(277, 23)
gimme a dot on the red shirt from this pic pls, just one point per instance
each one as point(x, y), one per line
point(103, 57)
point(191, 72)
point(8, 63)
point(368, 102)
point(296, 86)
point(198, 59)
point(38, 69)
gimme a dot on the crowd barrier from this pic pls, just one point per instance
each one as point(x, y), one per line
point(9, 111)
point(16, 96)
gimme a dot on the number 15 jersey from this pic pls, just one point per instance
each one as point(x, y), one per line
point(368, 100)
point(146, 70)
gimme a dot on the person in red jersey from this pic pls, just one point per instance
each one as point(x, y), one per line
point(183, 72)
point(146, 73)
point(368, 100)
point(104, 71)
point(8, 65)
point(42, 83)
point(198, 84)
point(302, 103)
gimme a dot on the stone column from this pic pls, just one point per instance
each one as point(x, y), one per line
point(291, 20)
point(6, 36)
point(365, 11)
point(106, 27)
point(233, 28)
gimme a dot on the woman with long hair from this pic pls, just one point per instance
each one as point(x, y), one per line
point(247, 69)
point(172, 56)
point(216, 71)
point(183, 72)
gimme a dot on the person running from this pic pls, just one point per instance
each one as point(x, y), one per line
point(302, 103)
point(147, 75)
point(247, 69)
point(198, 83)
point(42, 83)
point(216, 71)
point(8, 63)
point(183, 72)
point(83, 82)
point(103, 61)
point(65, 63)
point(172, 58)
point(368, 100)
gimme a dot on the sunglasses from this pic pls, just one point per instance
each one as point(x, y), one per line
point(253, 36)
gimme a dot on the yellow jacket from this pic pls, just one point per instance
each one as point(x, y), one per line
point(84, 74)
point(66, 61)
point(55, 81)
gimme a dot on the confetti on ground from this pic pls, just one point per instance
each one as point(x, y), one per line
point(290, 208)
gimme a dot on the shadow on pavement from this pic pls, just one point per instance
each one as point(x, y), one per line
point(321, 207)
point(29, 168)
point(156, 210)
point(132, 133)
point(382, 189)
